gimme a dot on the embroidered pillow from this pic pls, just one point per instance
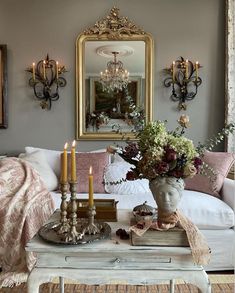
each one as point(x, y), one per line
point(98, 161)
point(115, 172)
point(221, 163)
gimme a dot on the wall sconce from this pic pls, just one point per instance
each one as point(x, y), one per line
point(46, 81)
point(184, 81)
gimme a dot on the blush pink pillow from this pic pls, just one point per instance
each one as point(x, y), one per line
point(98, 161)
point(221, 163)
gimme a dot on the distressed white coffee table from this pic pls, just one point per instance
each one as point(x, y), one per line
point(114, 261)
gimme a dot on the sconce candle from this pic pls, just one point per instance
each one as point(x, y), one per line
point(33, 67)
point(73, 162)
point(64, 165)
point(186, 68)
point(173, 71)
point(91, 192)
point(57, 69)
point(196, 65)
point(44, 69)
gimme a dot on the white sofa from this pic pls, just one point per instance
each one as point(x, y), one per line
point(214, 217)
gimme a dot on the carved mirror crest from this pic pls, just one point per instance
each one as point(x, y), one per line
point(113, 79)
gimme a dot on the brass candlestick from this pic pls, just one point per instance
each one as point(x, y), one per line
point(64, 227)
point(91, 228)
point(73, 235)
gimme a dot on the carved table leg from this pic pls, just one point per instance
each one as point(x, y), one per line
point(35, 279)
point(61, 285)
point(199, 279)
point(172, 284)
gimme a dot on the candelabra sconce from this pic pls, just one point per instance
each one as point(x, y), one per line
point(184, 81)
point(46, 81)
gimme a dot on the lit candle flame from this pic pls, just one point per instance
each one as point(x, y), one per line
point(66, 146)
point(90, 170)
point(74, 144)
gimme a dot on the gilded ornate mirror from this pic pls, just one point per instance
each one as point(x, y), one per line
point(113, 79)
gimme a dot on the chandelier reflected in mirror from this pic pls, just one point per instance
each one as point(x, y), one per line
point(115, 77)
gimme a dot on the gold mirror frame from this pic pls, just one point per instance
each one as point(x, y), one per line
point(111, 28)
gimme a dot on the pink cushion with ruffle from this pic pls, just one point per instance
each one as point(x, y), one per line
point(221, 163)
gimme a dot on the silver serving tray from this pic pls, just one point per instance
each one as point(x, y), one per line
point(49, 233)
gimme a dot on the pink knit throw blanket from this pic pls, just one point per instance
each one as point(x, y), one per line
point(25, 206)
point(200, 250)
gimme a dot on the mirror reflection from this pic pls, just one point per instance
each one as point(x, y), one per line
point(115, 86)
point(113, 79)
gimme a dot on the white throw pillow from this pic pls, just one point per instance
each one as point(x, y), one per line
point(116, 171)
point(53, 158)
point(39, 162)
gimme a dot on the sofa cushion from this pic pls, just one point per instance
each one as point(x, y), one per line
point(207, 212)
point(98, 161)
point(39, 162)
point(53, 157)
point(221, 163)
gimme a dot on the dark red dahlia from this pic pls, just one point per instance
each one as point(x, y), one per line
point(178, 173)
point(170, 154)
point(197, 162)
point(162, 167)
point(131, 175)
point(131, 150)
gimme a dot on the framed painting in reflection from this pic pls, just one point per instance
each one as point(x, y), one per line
point(3, 86)
point(116, 104)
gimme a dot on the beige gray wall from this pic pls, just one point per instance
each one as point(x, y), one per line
point(31, 29)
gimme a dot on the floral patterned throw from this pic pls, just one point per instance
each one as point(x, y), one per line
point(25, 206)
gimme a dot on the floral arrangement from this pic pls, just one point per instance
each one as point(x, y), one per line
point(160, 152)
point(96, 119)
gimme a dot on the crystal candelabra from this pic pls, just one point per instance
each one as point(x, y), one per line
point(115, 77)
point(46, 81)
point(184, 81)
